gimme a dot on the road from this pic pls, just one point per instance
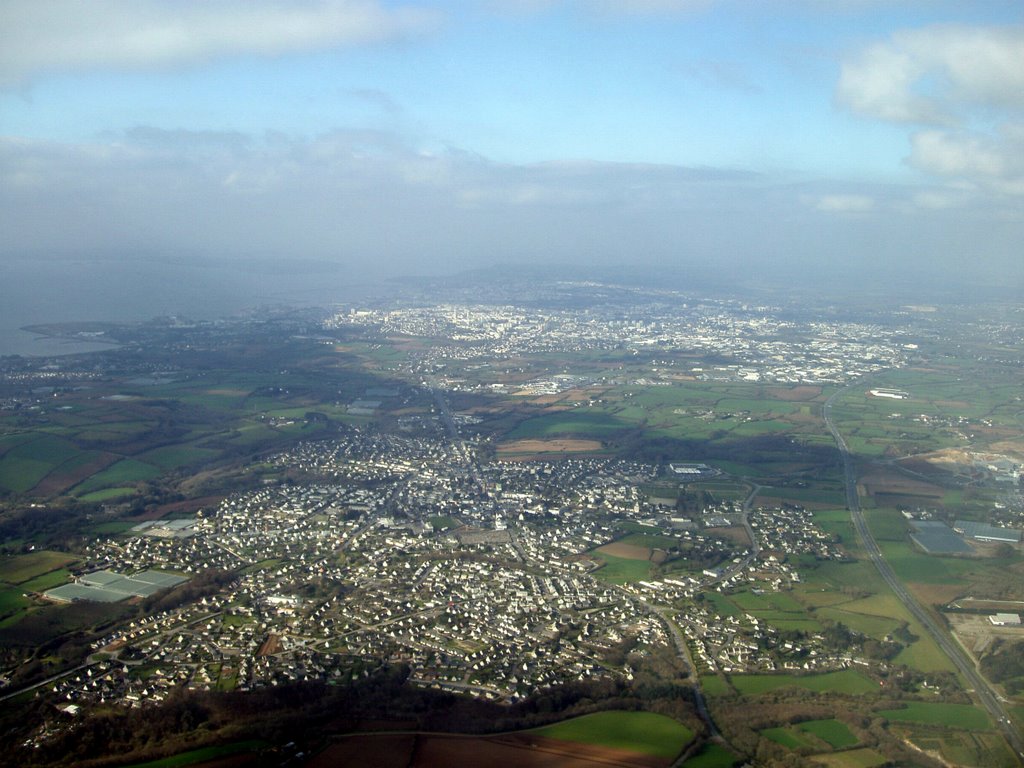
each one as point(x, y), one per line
point(755, 548)
point(94, 659)
point(456, 439)
point(986, 695)
point(48, 680)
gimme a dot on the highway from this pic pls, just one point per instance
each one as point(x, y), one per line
point(986, 695)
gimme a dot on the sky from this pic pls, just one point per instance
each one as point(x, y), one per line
point(810, 138)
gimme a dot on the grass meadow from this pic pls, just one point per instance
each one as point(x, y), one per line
point(644, 732)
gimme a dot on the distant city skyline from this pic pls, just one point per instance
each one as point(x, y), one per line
point(429, 137)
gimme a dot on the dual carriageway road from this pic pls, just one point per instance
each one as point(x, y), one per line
point(982, 690)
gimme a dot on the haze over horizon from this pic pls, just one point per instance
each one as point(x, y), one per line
point(375, 139)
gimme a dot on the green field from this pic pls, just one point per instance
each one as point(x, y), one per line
point(118, 475)
point(847, 681)
point(22, 467)
point(12, 600)
point(911, 565)
point(712, 756)
point(779, 609)
point(174, 456)
point(47, 581)
point(114, 527)
point(107, 494)
point(852, 758)
point(205, 754)
point(835, 496)
point(788, 737)
point(648, 540)
point(21, 568)
point(833, 732)
point(621, 570)
point(723, 605)
point(715, 685)
point(938, 713)
point(963, 747)
point(578, 424)
point(644, 732)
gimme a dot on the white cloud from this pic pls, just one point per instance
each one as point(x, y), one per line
point(947, 154)
point(963, 86)
point(605, 7)
point(994, 164)
point(940, 200)
point(844, 203)
point(59, 35)
point(879, 83)
point(936, 74)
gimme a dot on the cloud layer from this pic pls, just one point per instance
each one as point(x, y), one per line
point(59, 35)
point(368, 201)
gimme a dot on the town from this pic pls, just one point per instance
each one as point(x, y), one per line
point(478, 577)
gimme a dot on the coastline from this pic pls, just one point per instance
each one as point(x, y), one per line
point(41, 341)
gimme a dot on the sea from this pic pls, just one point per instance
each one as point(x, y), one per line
point(36, 292)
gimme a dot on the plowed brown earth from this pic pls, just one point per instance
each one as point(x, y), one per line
point(735, 533)
point(549, 446)
point(548, 399)
point(235, 761)
point(890, 481)
point(59, 481)
point(368, 751)
point(186, 507)
point(794, 393)
point(513, 751)
point(627, 551)
point(270, 646)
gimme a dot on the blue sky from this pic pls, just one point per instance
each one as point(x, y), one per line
point(435, 136)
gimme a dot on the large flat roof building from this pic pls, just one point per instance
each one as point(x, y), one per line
point(986, 532)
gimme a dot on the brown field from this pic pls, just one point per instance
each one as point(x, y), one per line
point(921, 467)
point(440, 751)
point(976, 633)
point(186, 507)
point(736, 533)
point(936, 594)
point(392, 751)
point(792, 394)
point(881, 480)
point(852, 758)
point(1011, 606)
point(582, 395)
point(801, 418)
point(547, 399)
point(627, 551)
point(57, 481)
point(549, 446)
point(905, 500)
point(270, 646)
point(1014, 448)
